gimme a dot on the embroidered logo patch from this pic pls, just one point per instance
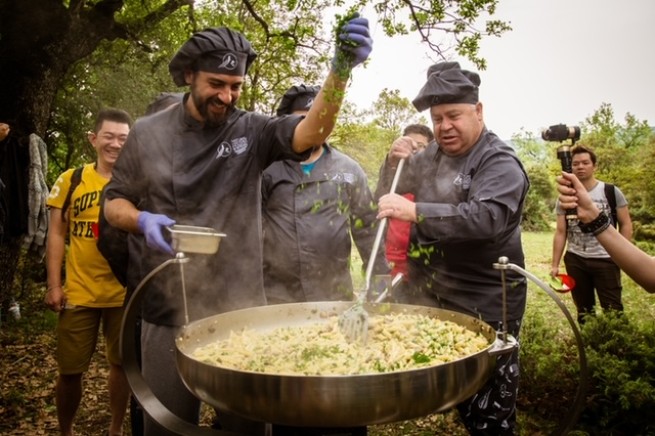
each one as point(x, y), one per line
point(309, 104)
point(463, 180)
point(229, 62)
point(343, 177)
point(240, 145)
point(223, 150)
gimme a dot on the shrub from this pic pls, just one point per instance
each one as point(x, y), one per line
point(550, 372)
point(620, 354)
point(621, 357)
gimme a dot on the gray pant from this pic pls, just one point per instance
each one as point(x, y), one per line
point(160, 373)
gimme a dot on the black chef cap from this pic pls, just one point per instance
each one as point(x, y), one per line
point(448, 83)
point(217, 50)
point(442, 66)
point(164, 100)
point(297, 98)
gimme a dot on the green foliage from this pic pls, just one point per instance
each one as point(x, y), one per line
point(129, 74)
point(646, 242)
point(621, 355)
point(621, 389)
point(129, 67)
point(392, 112)
point(626, 158)
point(445, 24)
point(366, 135)
point(537, 158)
point(367, 144)
point(549, 359)
point(538, 210)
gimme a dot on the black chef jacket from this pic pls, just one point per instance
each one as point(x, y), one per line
point(210, 177)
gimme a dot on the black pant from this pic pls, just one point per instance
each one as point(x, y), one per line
point(600, 275)
point(492, 410)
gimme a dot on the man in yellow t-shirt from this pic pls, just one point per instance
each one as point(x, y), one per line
point(91, 294)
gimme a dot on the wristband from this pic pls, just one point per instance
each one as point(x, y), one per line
point(597, 226)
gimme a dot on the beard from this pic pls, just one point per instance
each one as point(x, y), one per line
point(207, 109)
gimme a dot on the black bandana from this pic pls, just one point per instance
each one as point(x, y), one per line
point(448, 83)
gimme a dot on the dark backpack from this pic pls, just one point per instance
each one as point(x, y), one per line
point(610, 194)
point(76, 178)
point(112, 241)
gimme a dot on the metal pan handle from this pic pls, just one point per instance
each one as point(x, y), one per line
point(140, 389)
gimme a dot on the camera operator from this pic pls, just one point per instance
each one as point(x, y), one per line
point(586, 261)
point(634, 262)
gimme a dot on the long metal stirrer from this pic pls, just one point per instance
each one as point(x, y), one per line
point(383, 223)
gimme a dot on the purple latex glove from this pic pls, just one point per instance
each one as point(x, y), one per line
point(151, 226)
point(354, 45)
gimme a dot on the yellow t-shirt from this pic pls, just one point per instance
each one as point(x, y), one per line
point(89, 280)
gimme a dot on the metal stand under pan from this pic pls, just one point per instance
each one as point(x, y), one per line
point(164, 417)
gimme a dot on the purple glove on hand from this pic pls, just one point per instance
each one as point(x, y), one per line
point(354, 45)
point(151, 226)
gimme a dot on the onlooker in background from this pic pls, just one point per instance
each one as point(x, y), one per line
point(91, 295)
point(469, 189)
point(634, 262)
point(200, 163)
point(586, 261)
point(397, 238)
point(311, 209)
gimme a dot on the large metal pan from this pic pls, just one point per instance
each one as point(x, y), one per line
point(331, 401)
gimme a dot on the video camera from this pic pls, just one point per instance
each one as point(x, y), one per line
point(561, 132)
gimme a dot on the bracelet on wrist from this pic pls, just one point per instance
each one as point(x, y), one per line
point(50, 288)
point(597, 226)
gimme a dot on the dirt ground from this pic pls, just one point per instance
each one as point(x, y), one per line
point(28, 374)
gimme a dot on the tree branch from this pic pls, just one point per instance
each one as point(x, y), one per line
point(257, 18)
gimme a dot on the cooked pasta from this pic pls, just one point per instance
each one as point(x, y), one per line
point(395, 342)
